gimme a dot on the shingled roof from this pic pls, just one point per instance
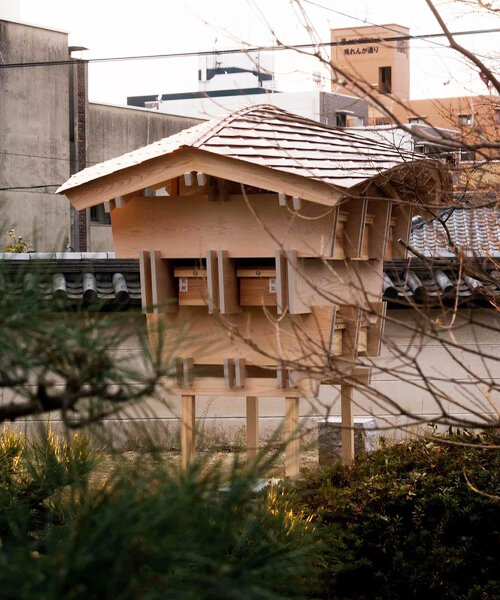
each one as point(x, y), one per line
point(271, 137)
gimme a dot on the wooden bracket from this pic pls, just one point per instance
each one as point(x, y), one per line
point(229, 373)
point(354, 227)
point(352, 318)
point(228, 284)
point(184, 372)
point(239, 372)
point(163, 286)
point(379, 231)
point(212, 281)
point(281, 282)
point(145, 275)
point(285, 378)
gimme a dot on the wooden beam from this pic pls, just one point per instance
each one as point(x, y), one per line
point(228, 284)
point(145, 276)
point(163, 286)
point(252, 418)
point(281, 282)
point(132, 179)
point(188, 432)
point(291, 437)
point(212, 281)
point(354, 227)
point(347, 423)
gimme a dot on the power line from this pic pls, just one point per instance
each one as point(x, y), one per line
point(248, 50)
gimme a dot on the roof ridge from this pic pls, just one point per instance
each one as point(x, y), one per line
point(227, 120)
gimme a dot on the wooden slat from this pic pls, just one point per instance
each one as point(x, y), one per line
point(256, 272)
point(292, 437)
point(228, 284)
point(239, 372)
point(212, 281)
point(188, 433)
point(252, 419)
point(376, 329)
point(354, 227)
point(145, 275)
point(379, 231)
point(281, 281)
point(164, 289)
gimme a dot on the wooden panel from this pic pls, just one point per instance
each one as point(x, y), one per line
point(252, 418)
point(354, 227)
point(192, 332)
point(257, 291)
point(188, 227)
point(145, 274)
point(332, 282)
point(379, 232)
point(228, 284)
point(192, 286)
point(292, 437)
point(164, 289)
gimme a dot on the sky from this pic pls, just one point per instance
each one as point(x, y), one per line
point(133, 27)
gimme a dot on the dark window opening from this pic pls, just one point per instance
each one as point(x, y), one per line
point(465, 119)
point(341, 119)
point(385, 80)
point(99, 216)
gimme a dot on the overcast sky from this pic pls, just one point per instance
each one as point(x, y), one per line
point(134, 27)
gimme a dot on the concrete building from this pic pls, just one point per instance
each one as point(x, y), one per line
point(49, 129)
point(377, 58)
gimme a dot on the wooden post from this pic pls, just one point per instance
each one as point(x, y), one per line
point(347, 422)
point(252, 426)
point(188, 439)
point(292, 440)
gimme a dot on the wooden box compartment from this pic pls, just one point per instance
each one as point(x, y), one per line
point(365, 251)
point(338, 250)
point(257, 286)
point(192, 286)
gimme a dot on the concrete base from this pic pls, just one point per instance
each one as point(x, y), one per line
point(330, 443)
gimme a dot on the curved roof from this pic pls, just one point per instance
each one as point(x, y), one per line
point(271, 137)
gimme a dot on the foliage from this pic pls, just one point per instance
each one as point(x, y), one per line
point(404, 523)
point(145, 531)
point(17, 244)
point(54, 358)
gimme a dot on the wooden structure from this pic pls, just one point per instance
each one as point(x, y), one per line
point(262, 237)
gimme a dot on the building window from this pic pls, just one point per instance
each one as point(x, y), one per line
point(385, 80)
point(416, 121)
point(341, 119)
point(465, 119)
point(98, 216)
point(467, 155)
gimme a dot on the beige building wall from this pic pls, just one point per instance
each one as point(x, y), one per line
point(361, 54)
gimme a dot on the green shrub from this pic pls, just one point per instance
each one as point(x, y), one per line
point(403, 522)
point(147, 531)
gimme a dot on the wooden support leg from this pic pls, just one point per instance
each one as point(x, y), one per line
point(188, 439)
point(346, 397)
point(252, 427)
point(292, 447)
